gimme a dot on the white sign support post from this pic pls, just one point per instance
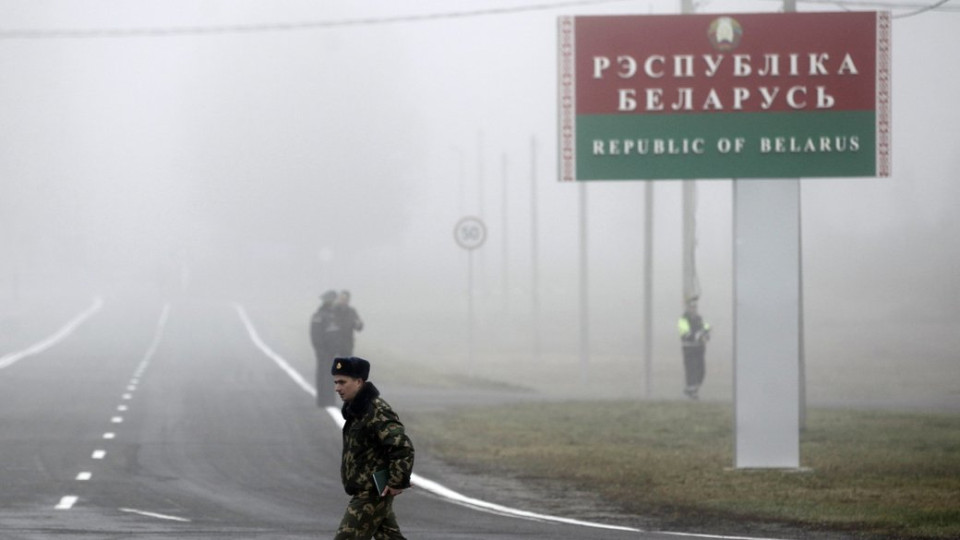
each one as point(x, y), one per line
point(470, 233)
point(767, 323)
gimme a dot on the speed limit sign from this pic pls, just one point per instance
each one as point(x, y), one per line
point(470, 233)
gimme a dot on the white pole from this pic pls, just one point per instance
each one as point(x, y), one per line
point(534, 250)
point(648, 290)
point(584, 285)
point(505, 235)
point(470, 314)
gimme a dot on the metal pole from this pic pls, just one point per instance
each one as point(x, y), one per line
point(584, 283)
point(505, 235)
point(648, 290)
point(480, 194)
point(801, 348)
point(691, 285)
point(534, 250)
point(481, 197)
point(462, 177)
point(470, 315)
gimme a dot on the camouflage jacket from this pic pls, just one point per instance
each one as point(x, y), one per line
point(373, 440)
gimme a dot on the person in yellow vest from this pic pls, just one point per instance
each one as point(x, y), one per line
point(694, 334)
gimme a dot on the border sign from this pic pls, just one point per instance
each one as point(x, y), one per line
point(763, 95)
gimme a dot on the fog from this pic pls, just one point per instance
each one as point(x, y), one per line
point(264, 157)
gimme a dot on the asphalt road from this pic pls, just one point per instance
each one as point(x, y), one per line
point(170, 422)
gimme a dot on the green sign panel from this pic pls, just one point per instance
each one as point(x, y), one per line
point(724, 96)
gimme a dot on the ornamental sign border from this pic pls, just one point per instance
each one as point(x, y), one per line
point(567, 93)
point(883, 93)
point(567, 100)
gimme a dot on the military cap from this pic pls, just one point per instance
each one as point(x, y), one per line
point(355, 367)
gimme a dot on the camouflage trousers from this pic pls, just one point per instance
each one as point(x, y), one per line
point(369, 516)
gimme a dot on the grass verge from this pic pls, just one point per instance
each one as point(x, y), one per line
point(872, 474)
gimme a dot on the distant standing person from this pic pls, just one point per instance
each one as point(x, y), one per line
point(374, 441)
point(694, 334)
point(349, 322)
point(324, 336)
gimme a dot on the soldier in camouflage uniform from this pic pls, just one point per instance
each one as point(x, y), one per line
point(373, 440)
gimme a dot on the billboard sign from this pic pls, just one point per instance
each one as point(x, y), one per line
point(762, 95)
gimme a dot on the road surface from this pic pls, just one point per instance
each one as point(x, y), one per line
point(170, 421)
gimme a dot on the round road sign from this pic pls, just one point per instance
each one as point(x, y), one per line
point(470, 233)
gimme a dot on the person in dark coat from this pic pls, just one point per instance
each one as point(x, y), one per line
point(349, 322)
point(377, 459)
point(324, 336)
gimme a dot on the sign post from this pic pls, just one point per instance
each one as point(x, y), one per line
point(470, 233)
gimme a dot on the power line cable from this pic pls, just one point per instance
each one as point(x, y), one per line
point(916, 7)
point(74, 33)
point(921, 10)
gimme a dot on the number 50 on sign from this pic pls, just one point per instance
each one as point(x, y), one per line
point(470, 233)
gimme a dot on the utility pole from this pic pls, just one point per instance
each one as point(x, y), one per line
point(648, 289)
point(534, 250)
point(691, 284)
point(505, 235)
point(584, 284)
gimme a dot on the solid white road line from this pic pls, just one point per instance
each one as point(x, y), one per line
point(153, 514)
point(12, 358)
point(442, 491)
point(421, 482)
point(716, 536)
point(297, 378)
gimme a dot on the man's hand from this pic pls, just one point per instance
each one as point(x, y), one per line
point(391, 491)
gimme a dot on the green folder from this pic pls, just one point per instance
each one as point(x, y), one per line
point(380, 480)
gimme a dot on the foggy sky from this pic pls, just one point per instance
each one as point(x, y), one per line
point(304, 159)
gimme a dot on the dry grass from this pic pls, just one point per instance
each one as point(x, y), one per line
point(877, 474)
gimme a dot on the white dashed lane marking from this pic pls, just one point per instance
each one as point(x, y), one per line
point(66, 503)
